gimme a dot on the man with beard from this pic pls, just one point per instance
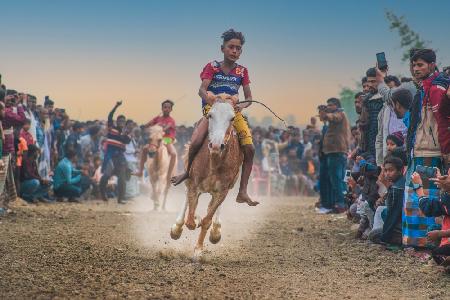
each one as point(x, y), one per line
point(427, 143)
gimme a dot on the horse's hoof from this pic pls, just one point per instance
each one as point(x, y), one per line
point(198, 254)
point(175, 231)
point(214, 234)
point(191, 225)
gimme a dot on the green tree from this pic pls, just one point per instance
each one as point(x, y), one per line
point(408, 38)
point(347, 97)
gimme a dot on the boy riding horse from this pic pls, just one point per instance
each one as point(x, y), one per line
point(225, 77)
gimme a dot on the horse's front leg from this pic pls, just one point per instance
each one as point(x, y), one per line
point(192, 196)
point(177, 228)
point(214, 233)
point(206, 222)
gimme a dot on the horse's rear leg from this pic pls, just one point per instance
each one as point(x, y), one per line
point(206, 222)
point(177, 228)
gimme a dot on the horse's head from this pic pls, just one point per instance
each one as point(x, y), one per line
point(220, 117)
point(155, 140)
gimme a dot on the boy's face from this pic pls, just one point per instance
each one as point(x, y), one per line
point(232, 49)
point(166, 109)
point(26, 127)
point(390, 145)
point(391, 173)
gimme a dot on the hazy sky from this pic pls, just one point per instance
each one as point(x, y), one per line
point(88, 54)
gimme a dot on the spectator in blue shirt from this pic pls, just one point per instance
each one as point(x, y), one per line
point(67, 181)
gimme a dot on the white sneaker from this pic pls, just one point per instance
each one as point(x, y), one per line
point(323, 211)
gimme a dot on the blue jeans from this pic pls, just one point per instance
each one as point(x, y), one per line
point(326, 198)
point(336, 163)
point(32, 189)
point(73, 190)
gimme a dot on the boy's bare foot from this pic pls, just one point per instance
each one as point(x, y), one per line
point(176, 180)
point(244, 198)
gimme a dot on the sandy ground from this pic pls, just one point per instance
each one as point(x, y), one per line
point(280, 249)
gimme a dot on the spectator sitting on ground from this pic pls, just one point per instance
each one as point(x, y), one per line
point(69, 182)
point(33, 187)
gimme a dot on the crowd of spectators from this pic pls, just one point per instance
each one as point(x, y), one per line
point(388, 171)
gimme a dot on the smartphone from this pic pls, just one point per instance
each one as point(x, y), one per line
point(348, 173)
point(426, 172)
point(381, 61)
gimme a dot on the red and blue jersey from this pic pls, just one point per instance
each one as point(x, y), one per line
point(224, 83)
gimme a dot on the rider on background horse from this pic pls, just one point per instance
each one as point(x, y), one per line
point(225, 77)
point(168, 125)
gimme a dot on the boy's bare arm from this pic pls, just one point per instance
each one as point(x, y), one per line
point(202, 92)
point(247, 95)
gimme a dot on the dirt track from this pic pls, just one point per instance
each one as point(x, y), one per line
point(280, 249)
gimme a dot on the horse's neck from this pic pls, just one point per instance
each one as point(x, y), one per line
point(159, 158)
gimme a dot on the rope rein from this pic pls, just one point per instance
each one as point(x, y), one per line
point(254, 101)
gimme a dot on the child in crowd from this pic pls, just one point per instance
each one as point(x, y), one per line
point(394, 140)
point(391, 231)
point(369, 173)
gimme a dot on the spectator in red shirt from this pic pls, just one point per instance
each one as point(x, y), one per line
point(168, 125)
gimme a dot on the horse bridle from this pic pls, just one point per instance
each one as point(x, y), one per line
point(152, 154)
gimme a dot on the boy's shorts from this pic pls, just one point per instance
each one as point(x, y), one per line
point(167, 140)
point(240, 125)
